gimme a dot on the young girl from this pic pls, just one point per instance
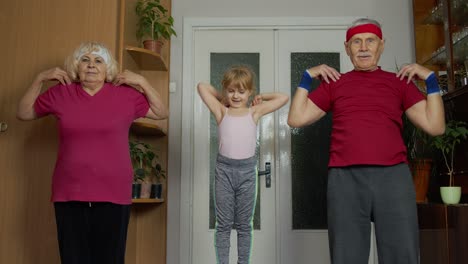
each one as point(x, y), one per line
point(236, 173)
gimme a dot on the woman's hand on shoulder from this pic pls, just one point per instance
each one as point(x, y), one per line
point(135, 80)
point(26, 109)
point(54, 74)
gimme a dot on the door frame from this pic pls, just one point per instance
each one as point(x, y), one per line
point(190, 26)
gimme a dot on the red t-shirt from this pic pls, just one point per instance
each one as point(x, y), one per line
point(367, 110)
point(93, 162)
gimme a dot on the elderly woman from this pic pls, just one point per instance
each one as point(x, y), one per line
point(91, 186)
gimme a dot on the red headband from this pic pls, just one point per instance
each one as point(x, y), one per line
point(364, 28)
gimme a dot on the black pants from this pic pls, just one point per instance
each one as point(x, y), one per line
point(385, 195)
point(92, 233)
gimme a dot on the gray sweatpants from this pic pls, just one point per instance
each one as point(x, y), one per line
point(384, 194)
point(235, 196)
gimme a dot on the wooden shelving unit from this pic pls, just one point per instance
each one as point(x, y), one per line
point(146, 59)
point(441, 39)
point(147, 200)
point(145, 127)
point(443, 233)
point(147, 234)
point(441, 42)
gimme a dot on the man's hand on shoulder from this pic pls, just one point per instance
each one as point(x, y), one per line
point(324, 72)
point(413, 70)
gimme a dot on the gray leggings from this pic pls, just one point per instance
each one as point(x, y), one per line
point(384, 194)
point(235, 196)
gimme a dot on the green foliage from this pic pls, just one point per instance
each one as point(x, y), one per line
point(418, 143)
point(455, 132)
point(154, 22)
point(145, 162)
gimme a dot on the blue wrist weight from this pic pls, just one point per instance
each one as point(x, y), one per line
point(306, 81)
point(432, 86)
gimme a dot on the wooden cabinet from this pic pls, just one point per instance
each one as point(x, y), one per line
point(441, 39)
point(441, 44)
point(147, 229)
point(443, 233)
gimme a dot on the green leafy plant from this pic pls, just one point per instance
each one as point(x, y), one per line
point(418, 143)
point(145, 162)
point(154, 22)
point(455, 132)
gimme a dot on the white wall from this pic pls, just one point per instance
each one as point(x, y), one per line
point(394, 15)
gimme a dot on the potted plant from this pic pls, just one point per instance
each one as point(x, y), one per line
point(137, 157)
point(455, 132)
point(156, 188)
point(146, 168)
point(154, 24)
point(419, 153)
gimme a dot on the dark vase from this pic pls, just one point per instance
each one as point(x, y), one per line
point(156, 190)
point(136, 189)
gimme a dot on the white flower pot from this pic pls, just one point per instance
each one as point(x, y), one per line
point(450, 195)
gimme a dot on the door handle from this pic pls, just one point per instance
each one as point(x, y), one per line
point(267, 173)
point(3, 127)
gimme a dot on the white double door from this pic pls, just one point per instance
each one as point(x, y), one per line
point(276, 238)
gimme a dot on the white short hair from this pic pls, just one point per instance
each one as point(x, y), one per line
point(71, 63)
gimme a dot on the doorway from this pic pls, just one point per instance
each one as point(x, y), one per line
point(290, 220)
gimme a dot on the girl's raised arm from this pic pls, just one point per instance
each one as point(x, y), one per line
point(270, 102)
point(212, 100)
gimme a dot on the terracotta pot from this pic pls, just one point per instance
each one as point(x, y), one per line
point(421, 171)
point(153, 45)
point(145, 190)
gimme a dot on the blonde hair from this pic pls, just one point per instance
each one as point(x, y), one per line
point(71, 63)
point(239, 76)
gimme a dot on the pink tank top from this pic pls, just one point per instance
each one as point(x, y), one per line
point(237, 136)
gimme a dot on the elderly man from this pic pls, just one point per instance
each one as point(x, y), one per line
point(369, 179)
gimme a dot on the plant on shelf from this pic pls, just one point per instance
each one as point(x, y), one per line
point(160, 174)
point(419, 151)
point(418, 143)
point(147, 169)
point(455, 132)
point(420, 157)
point(154, 24)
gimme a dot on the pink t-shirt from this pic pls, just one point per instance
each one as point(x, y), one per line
point(93, 162)
point(237, 136)
point(367, 109)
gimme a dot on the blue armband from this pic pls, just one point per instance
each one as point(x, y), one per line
point(432, 86)
point(306, 81)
